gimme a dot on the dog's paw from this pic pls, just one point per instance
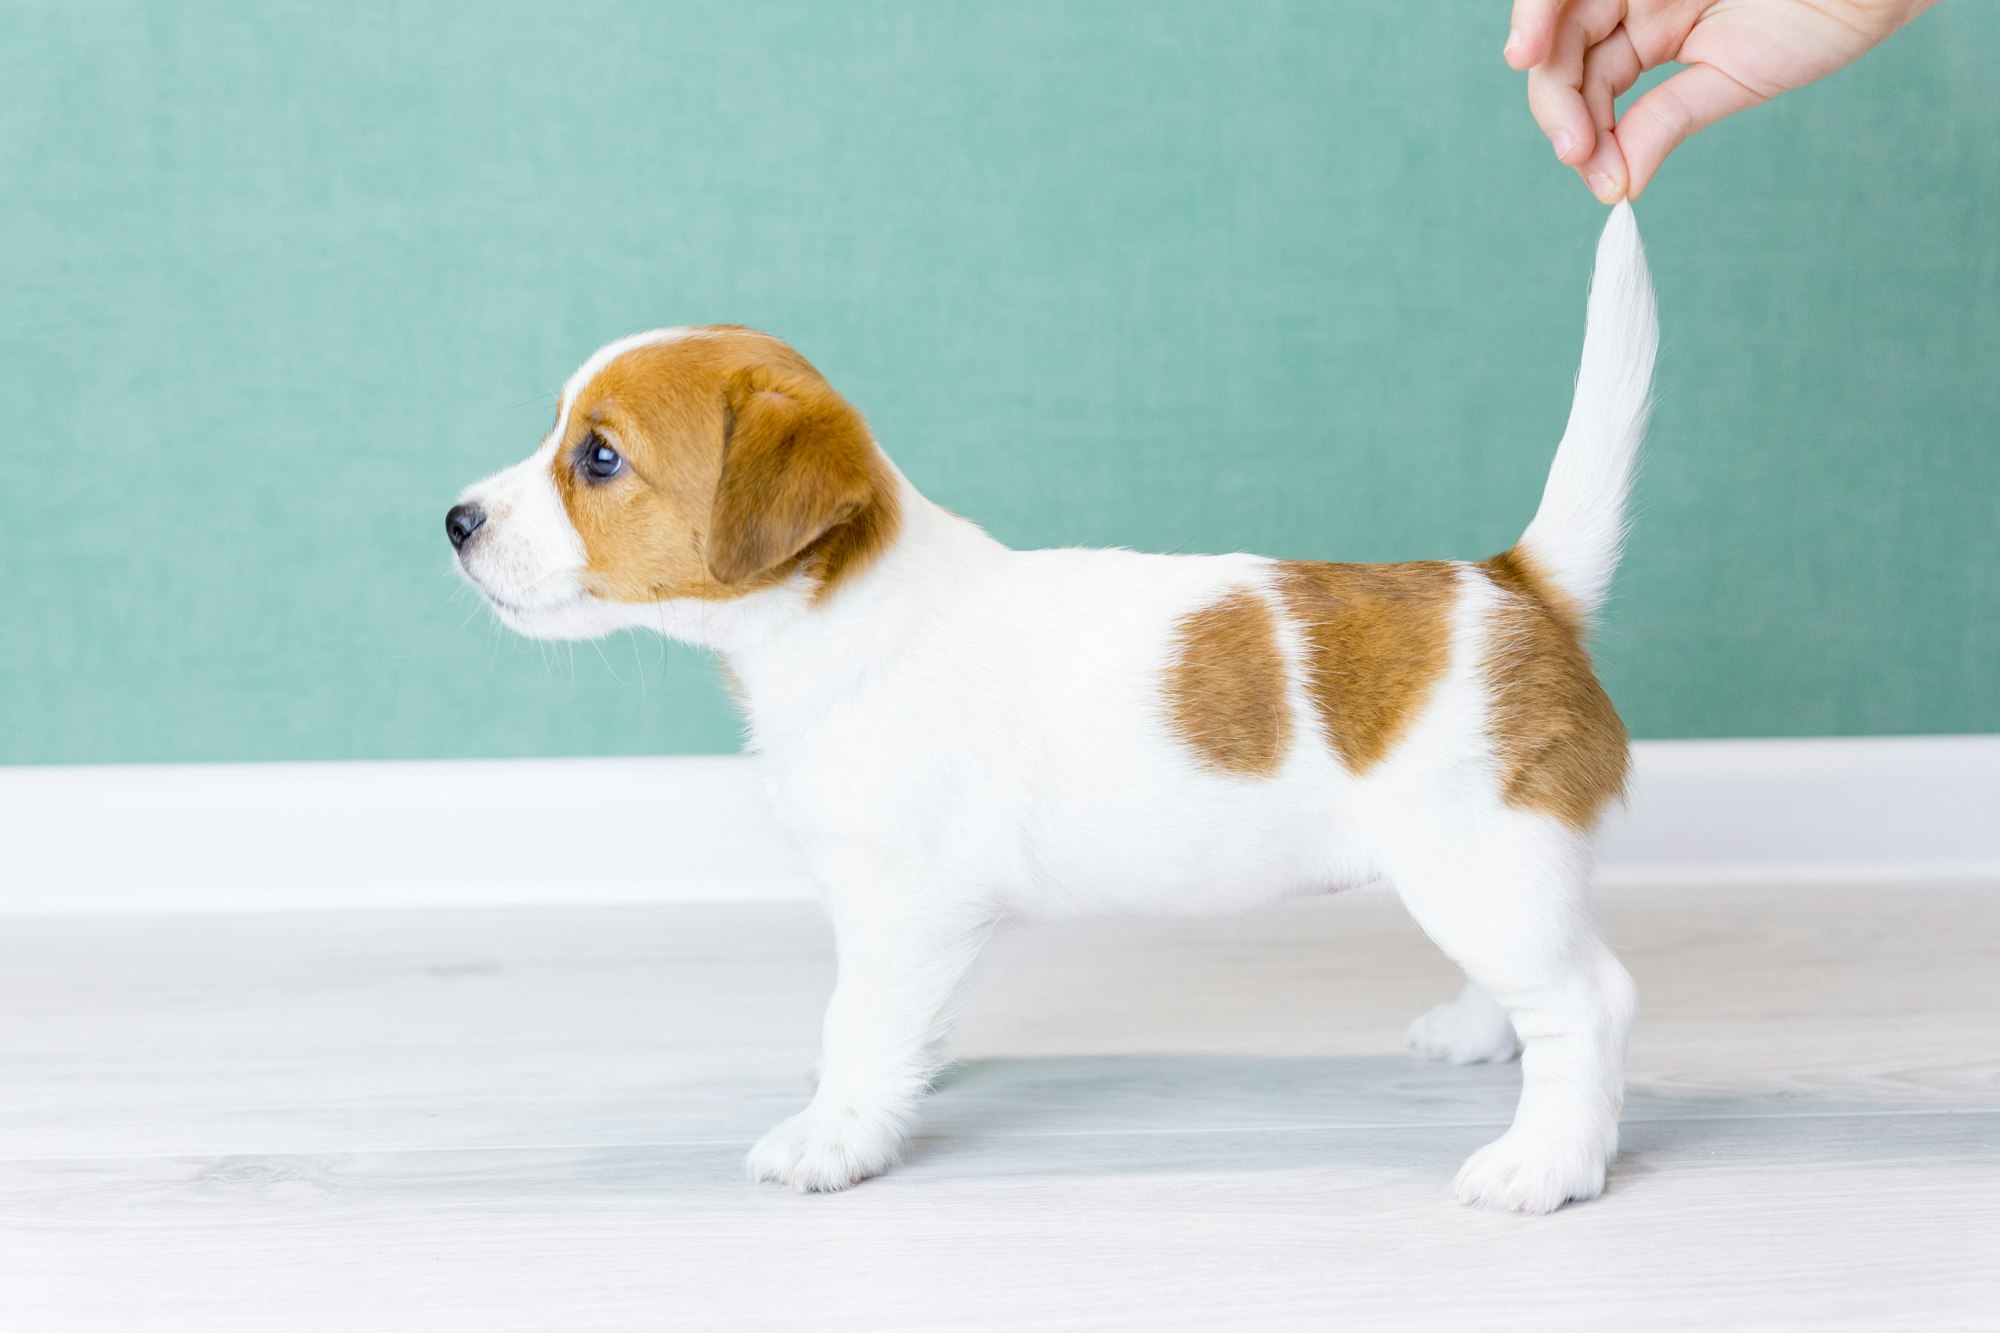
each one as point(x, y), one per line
point(824, 1149)
point(1465, 1032)
point(1532, 1173)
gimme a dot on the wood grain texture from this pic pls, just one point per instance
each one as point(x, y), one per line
point(533, 1120)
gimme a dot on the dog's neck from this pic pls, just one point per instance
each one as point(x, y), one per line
point(791, 653)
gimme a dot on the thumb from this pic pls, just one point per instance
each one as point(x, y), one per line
point(1656, 124)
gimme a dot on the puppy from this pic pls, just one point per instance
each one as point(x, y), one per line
point(958, 733)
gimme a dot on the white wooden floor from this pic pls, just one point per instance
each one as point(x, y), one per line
point(533, 1119)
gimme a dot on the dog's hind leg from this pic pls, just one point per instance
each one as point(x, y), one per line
point(1506, 898)
point(1472, 1029)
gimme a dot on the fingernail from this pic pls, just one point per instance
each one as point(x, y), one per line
point(1602, 186)
point(1564, 144)
point(1513, 41)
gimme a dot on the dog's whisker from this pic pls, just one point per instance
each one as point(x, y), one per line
point(599, 650)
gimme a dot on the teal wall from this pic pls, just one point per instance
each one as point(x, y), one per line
point(277, 278)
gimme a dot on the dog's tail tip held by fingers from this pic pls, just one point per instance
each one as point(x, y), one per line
point(1579, 530)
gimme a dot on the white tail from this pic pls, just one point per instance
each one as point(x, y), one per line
point(1579, 530)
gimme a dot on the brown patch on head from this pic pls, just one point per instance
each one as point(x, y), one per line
point(799, 475)
point(1564, 750)
point(1226, 687)
point(742, 465)
point(1376, 638)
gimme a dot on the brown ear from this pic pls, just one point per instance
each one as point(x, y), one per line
point(797, 462)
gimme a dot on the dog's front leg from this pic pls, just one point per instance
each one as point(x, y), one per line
point(902, 962)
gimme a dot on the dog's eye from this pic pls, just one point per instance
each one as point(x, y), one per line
point(600, 461)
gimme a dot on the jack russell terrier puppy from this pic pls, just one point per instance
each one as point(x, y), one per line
point(958, 733)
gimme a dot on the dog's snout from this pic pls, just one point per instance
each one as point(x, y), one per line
point(462, 522)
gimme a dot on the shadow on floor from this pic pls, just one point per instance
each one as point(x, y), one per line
point(1118, 1113)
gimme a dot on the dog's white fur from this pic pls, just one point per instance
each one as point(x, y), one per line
point(967, 733)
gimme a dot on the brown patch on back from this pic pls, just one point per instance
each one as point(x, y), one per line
point(1564, 749)
point(743, 466)
point(1376, 639)
point(1516, 569)
point(1226, 687)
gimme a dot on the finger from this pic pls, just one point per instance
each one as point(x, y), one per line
point(1580, 25)
point(1609, 69)
point(1532, 32)
point(1555, 85)
point(1558, 108)
point(1667, 114)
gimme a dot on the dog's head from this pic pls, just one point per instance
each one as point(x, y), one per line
point(686, 465)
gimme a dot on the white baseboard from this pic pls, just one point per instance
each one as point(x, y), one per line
point(692, 829)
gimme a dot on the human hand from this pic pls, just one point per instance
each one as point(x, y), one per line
point(1579, 55)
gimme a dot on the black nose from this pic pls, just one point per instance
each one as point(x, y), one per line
point(461, 523)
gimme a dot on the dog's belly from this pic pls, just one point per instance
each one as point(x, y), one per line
point(1100, 835)
point(1199, 848)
